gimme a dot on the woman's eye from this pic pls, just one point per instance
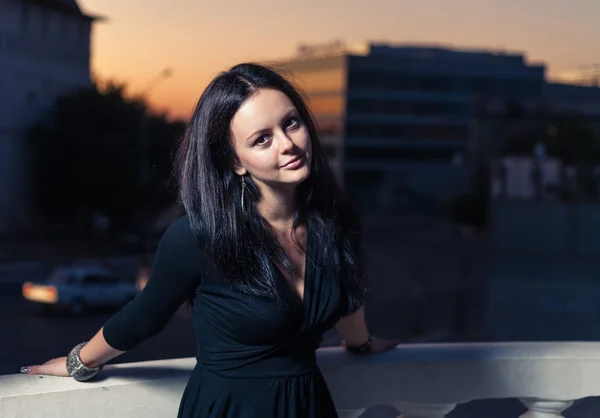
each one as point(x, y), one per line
point(291, 122)
point(261, 140)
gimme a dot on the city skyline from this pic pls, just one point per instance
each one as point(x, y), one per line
point(197, 40)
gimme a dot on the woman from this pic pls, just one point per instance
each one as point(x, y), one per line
point(268, 254)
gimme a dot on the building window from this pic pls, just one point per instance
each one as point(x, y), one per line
point(464, 83)
point(450, 132)
point(401, 154)
point(324, 80)
point(394, 107)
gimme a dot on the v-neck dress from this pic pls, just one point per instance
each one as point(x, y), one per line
point(255, 355)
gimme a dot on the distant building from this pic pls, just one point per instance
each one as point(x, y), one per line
point(528, 178)
point(397, 120)
point(44, 51)
point(573, 98)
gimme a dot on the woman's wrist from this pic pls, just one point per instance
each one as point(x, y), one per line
point(361, 348)
point(88, 359)
point(76, 368)
point(97, 351)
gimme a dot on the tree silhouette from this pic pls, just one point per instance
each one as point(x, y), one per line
point(87, 150)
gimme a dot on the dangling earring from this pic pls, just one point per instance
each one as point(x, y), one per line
point(243, 188)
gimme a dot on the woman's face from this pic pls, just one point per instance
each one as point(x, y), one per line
point(271, 141)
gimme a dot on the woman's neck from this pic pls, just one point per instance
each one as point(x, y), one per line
point(278, 209)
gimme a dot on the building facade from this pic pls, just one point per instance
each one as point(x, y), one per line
point(398, 120)
point(573, 98)
point(44, 52)
point(323, 81)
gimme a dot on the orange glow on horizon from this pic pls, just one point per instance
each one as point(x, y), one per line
point(199, 39)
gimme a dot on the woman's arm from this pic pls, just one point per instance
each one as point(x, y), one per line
point(97, 351)
point(175, 275)
point(353, 328)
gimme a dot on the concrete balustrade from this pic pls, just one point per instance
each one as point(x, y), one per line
point(421, 381)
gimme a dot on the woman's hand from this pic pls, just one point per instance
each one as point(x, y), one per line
point(379, 345)
point(54, 367)
point(354, 332)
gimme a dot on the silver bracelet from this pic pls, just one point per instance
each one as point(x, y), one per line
point(77, 369)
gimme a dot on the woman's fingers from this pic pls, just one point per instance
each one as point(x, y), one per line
point(379, 345)
point(54, 367)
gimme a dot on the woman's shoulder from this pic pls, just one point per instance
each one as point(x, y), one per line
point(181, 235)
point(180, 227)
point(180, 248)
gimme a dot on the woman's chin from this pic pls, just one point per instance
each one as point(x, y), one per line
point(297, 177)
point(288, 182)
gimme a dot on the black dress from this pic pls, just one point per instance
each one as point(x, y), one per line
point(255, 355)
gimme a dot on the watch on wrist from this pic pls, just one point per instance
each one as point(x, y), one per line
point(75, 367)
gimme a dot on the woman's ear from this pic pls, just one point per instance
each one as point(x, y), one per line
point(238, 169)
point(236, 166)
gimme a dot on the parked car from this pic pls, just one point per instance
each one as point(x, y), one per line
point(78, 288)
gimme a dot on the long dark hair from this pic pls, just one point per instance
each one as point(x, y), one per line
point(239, 241)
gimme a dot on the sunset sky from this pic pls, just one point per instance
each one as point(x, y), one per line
point(197, 39)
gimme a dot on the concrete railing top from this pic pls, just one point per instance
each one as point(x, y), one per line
point(413, 374)
point(457, 373)
point(112, 376)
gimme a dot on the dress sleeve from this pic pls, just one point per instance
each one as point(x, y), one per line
point(176, 273)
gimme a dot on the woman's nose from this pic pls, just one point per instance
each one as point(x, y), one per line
point(285, 141)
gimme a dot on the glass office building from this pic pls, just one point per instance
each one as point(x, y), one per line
point(398, 120)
